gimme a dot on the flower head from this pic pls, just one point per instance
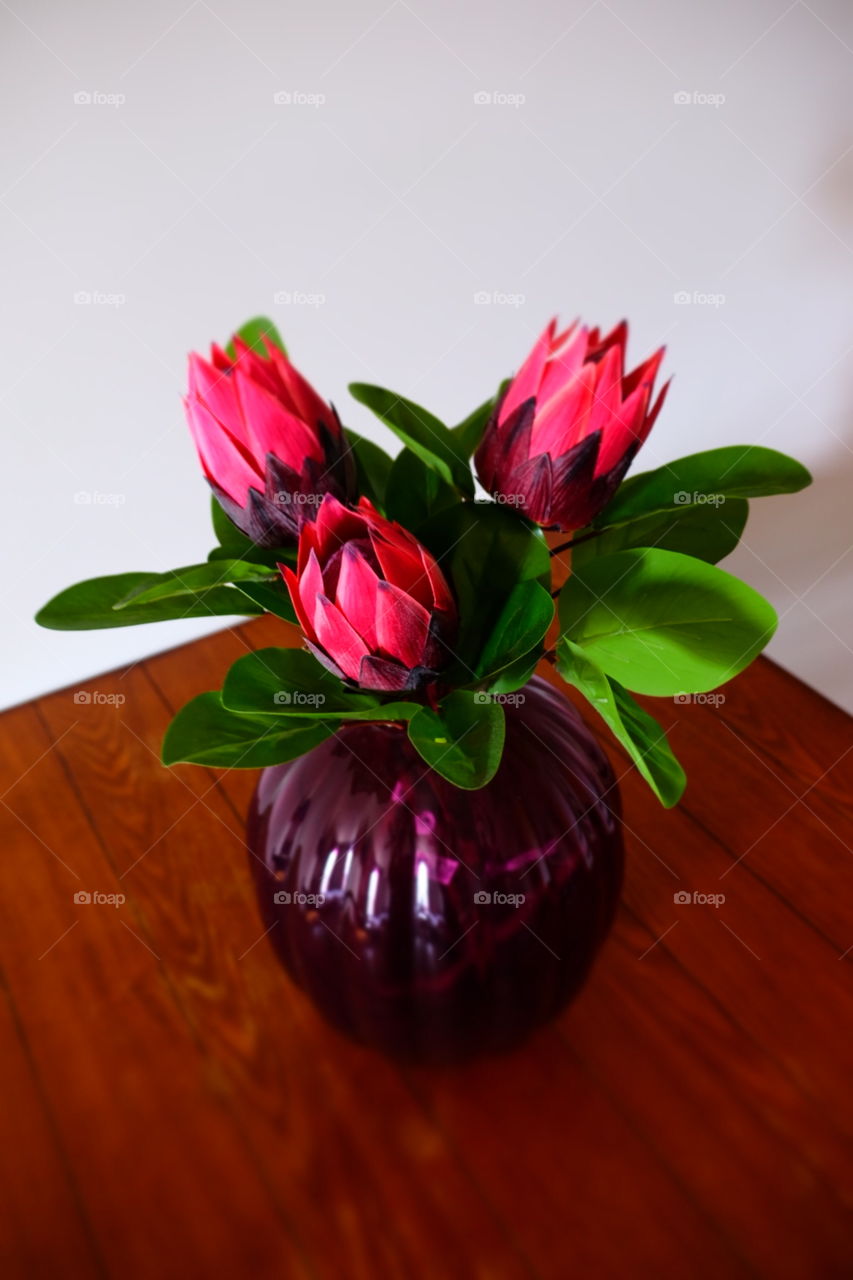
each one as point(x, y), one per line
point(373, 604)
point(269, 446)
point(569, 425)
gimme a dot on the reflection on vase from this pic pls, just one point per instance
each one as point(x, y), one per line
point(430, 922)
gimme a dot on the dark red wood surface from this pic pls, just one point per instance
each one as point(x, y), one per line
point(172, 1106)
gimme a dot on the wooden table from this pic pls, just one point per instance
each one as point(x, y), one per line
point(172, 1106)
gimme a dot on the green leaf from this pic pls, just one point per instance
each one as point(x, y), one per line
point(224, 529)
point(737, 471)
point(204, 732)
point(709, 531)
point(91, 605)
point(639, 733)
point(463, 740)
point(192, 580)
point(253, 333)
point(416, 492)
point(485, 550)
point(517, 674)
point(272, 597)
point(663, 623)
point(423, 433)
point(526, 616)
point(290, 682)
point(373, 467)
point(470, 432)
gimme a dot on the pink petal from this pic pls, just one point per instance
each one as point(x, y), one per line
point(254, 366)
point(337, 637)
point(401, 565)
point(646, 372)
point(623, 430)
point(311, 580)
point(442, 596)
point(563, 420)
point(617, 337)
point(356, 594)
point(298, 394)
point(292, 583)
point(526, 382)
point(271, 428)
point(335, 524)
point(219, 358)
point(221, 456)
point(215, 388)
point(607, 397)
point(402, 625)
point(565, 361)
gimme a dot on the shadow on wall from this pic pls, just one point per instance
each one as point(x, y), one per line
point(798, 551)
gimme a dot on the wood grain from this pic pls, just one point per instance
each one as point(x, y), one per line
point(175, 1107)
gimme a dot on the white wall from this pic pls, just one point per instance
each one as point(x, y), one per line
point(397, 199)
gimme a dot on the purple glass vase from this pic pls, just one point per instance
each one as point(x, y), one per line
point(434, 923)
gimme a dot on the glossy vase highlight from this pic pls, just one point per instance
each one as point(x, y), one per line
point(434, 923)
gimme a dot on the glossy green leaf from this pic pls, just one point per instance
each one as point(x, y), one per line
point(205, 732)
point(290, 682)
point(527, 614)
point(192, 580)
point(91, 605)
point(517, 674)
point(421, 431)
point(469, 433)
point(485, 550)
point(253, 333)
point(273, 597)
point(663, 623)
point(373, 467)
point(415, 491)
point(463, 740)
point(708, 531)
point(639, 733)
point(736, 471)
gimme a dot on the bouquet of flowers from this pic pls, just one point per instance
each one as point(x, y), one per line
point(421, 602)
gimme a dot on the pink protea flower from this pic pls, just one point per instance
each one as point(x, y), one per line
point(373, 604)
point(569, 425)
point(269, 446)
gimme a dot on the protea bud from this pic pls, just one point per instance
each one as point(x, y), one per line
point(568, 427)
point(269, 446)
point(373, 604)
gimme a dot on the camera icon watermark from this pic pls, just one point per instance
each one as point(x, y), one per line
point(517, 699)
point(497, 98)
point(695, 98)
point(497, 298)
point(683, 498)
point(696, 298)
point(284, 898)
point(94, 698)
point(298, 298)
point(292, 498)
point(298, 698)
point(84, 899)
point(713, 699)
point(484, 898)
point(684, 899)
point(94, 498)
point(298, 98)
point(98, 298)
point(94, 98)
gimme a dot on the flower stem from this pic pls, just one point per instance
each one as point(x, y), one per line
point(576, 542)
